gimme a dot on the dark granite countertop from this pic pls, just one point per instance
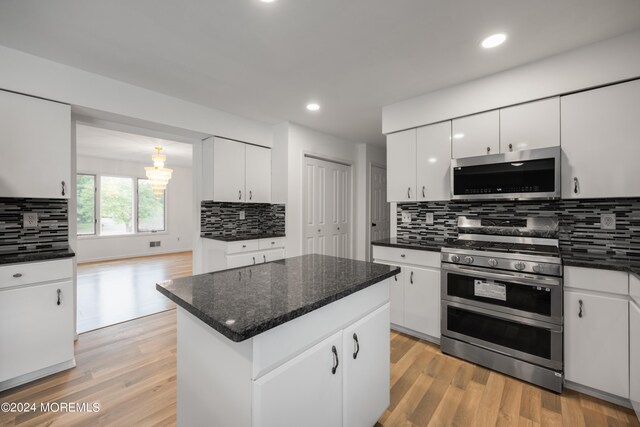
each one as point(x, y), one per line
point(244, 302)
point(419, 244)
point(602, 263)
point(238, 237)
point(16, 258)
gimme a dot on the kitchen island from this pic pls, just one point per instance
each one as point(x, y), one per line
point(300, 341)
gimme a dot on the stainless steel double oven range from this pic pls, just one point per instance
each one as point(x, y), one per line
point(502, 298)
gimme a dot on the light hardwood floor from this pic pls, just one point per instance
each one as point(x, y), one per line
point(130, 369)
point(111, 292)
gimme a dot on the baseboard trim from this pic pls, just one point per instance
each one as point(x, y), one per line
point(415, 334)
point(139, 255)
point(621, 401)
point(41, 373)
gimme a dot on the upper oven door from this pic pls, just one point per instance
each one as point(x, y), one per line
point(519, 294)
point(527, 174)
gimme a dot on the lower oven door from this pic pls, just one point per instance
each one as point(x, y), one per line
point(525, 339)
point(520, 294)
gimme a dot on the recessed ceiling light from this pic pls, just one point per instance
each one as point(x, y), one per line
point(313, 107)
point(494, 40)
point(458, 135)
point(267, 1)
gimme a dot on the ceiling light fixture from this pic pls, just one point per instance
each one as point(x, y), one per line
point(458, 135)
point(494, 40)
point(267, 1)
point(157, 174)
point(313, 107)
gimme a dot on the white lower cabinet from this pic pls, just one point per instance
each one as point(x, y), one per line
point(281, 397)
point(366, 386)
point(415, 292)
point(634, 356)
point(221, 255)
point(596, 338)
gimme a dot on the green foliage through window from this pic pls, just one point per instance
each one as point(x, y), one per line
point(86, 197)
point(150, 208)
point(116, 205)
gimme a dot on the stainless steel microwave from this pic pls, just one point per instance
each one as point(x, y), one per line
point(519, 175)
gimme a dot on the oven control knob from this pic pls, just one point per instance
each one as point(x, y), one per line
point(493, 262)
point(520, 265)
point(537, 268)
point(468, 259)
point(455, 258)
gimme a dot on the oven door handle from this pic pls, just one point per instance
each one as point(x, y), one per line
point(537, 281)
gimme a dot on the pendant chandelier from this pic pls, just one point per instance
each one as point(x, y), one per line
point(157, 174)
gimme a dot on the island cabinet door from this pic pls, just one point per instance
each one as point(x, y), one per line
point(366, 369)
point(305, 391)
point(396, 293)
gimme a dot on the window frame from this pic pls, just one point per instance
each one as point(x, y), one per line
point(137, 209)
point(98, 208)
point(95, 205)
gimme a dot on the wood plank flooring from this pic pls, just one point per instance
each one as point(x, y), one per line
point(130, 369)
point(111, 292)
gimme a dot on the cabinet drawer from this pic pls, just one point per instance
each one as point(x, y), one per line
point(406, 256)
point(242, 246)
point(35, 272)
point(242, 260)
point(591, 279)
point(276, 242)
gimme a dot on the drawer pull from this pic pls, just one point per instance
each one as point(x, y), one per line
point(273, 243)
point(59, 292)
point(254, 260)
point(403, 255)
point(17, 275)
point(264, 257)
point(244, 246)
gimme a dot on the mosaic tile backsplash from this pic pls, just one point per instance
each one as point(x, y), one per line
point(580, 234)
point(52, 232)
point(222, 219)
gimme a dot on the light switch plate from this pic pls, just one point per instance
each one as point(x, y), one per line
point(608, 221)
point(429, 219)
point(242, 215)
point(406, 216)
point(30, 220)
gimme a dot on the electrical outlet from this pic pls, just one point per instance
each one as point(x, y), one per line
point(30, 220)
point(429, 219)
point(242, 215)
point(406, 216)
point(608, 221)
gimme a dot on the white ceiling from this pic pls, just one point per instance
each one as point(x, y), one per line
point(112, 144)
point(266, 61)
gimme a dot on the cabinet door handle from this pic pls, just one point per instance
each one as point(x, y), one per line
point(395, 277)
point(244, 246)
point(336, 362)
point(411, 278)
point(402, 255)
point(264, 257)
point(254, 260)
point(580, 309)
point(488, 150)
point(250, 195)
point(273, 243)
point(423, 191)
point(64, 187)
point(239, 194)
point(510, 147)
point(408, 192)
point(17, 275)
point(576, 185)
point(59, 293)
point(357, 346)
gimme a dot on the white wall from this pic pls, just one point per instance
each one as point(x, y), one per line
point(601, 63)
point(32, 75)
point(180, 217)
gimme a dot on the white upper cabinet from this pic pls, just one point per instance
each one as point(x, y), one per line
point(434, 162)
point(35, 147)
point(476, 135)
point(531, 125)
point(258, 174)
point(241, 172)
point(401, 166)
point(601, 142)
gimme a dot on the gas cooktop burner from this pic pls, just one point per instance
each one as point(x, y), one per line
point(506, 247)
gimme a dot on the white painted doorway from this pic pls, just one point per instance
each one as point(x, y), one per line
point(327, 208)
point(380, 226)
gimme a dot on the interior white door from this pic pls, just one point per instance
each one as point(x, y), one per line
point(305, 391)
point(228, 170)
point(422, 300)
point(434, 162)
point(327, 208)
point(258, 174)
point(379, 208)
point(366, 369)
point(476, 135)
point(401, 166)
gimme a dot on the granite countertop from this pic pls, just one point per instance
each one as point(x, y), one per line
point(16, 258)
point(419, 244)
point(244, 302)
point(238, 237)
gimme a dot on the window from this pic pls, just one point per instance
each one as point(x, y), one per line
point(151, 208)
point(116, 205)
point(86, 197)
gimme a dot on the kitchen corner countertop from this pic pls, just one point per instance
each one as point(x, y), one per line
point(16, 258)
point(238, 237)
point(244, 302)
point(419, 244)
